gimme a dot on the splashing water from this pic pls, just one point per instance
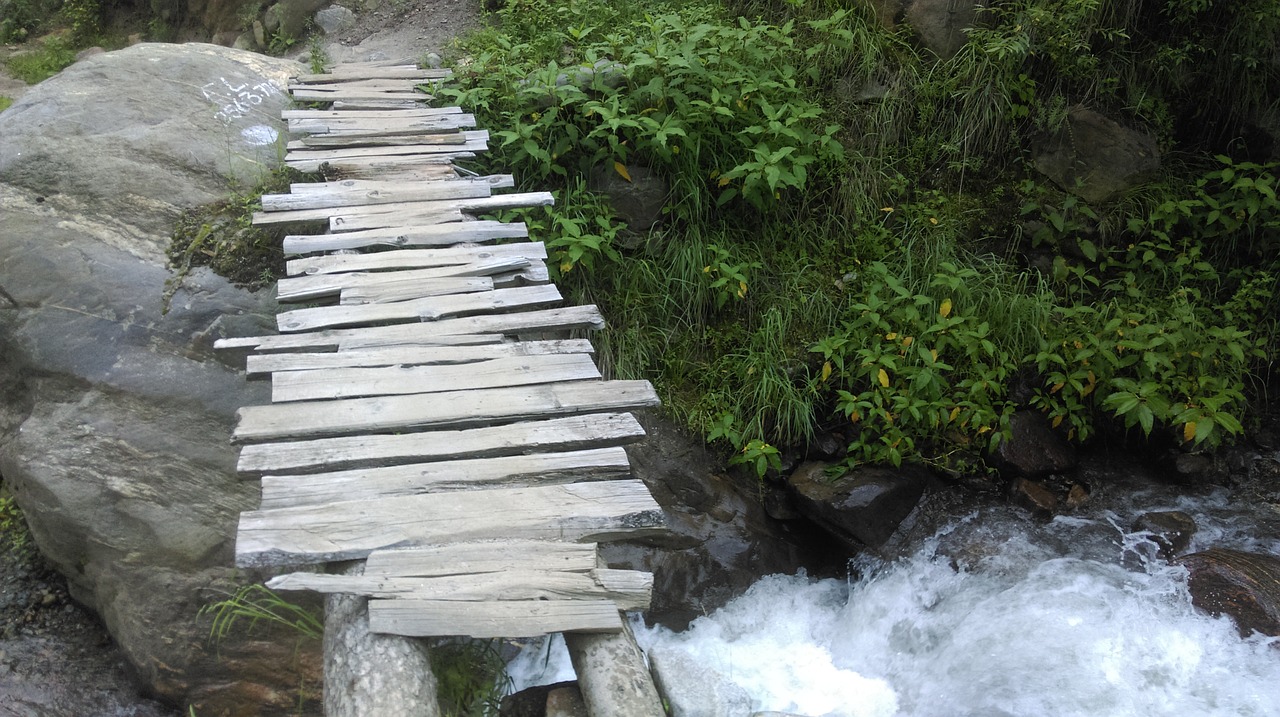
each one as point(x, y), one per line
point(993, 617)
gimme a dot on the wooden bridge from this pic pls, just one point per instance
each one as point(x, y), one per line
point(436, 438)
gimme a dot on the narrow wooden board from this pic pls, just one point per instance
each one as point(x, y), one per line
point(440, 234)
point(571, 317)
point(341, 73)
point(444, 477)
point(359, 127)
point(483, 202)
point(354, 144)
point(372, 95)
point(370, 114)
point(628, 589)
point(571, 433)
point(318, 384)
point(456, 279)
point(387, 171)
point(315, 419)
point(495, 181)
point(339, 84)
point(425, 165)
point(471, 142)
point(415, 258)
point(531, 618)
point(412, 289)
point(476, 558)
point(359, 193)
point(259, 364)
point(393, 290)
point(576, 512)
point(346, 105)
point(432, 308)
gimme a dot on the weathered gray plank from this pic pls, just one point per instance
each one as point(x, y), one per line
point(350, 126)
point(412, 289)
point(444, 477)
point(351, 145)
point(571, 317)
point(568, 434)
point(258, 364)
point(576, 512)
point(407, 171)
point(415, 258)
point(373, 95)
point(314, 419)
point(438, 618)
point(628, 591)
point(484, 202)
point(460, 278)
point(417, 112)
point(475, 141)
point(318, 384)
point(489, 557)
point(341, 72)
point(431, 308)
point(405, 290)
point(432, 165)
point(351, 83)
point(358, 193)
point(379, 104)
point(439, 234)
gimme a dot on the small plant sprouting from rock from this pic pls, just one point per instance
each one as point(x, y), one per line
point(257, 604)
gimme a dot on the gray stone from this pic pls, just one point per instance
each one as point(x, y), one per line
point(695, 690)
point(612, 675)
point(335, 18)
point(115, 423)
point(940, 24)
point(259, 33)
point(433, 61)
point(1245, 586)
point(291, 16)
point(610, 72)
point(1033, 496)
point(245, 41)
point(638, 201)
point(1095, 158)
point(864, 505)
point(1033, 449)
point(566, 701)
point(1171, 530)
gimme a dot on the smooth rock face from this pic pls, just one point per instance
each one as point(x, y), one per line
point(1245, 586)
point(865, 505)
point(940, 24)
point(116, 417)
point(335, 18)
point(1034, 450)
point(1095, 158)
point(637, 201)
point(694, 690)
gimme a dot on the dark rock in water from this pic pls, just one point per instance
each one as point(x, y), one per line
point(864, 505)
point(566, 701)
point(1171, 530)
point(116, 416)
point(638, 200)
point(1034, 496)
point(1189, 468)
point(1095, 158)
point(1245, 586)
point(721, 541)
point(1034, 450)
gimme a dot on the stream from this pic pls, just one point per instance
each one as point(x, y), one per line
point(993, 614)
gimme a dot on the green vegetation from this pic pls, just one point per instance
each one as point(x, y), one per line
point(470, 676)
point(257, 604)
point(5, 103)
point(855, 239)
point(47, 58)
point(14, 534)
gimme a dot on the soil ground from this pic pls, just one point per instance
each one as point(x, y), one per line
point(56, 658)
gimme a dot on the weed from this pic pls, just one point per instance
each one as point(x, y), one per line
point(47, 59)
point(317, 58)
point(5, 103)
point(14, 534)
point(257, 604)
point(470, 676)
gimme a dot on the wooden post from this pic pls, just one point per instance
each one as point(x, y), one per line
point(612, 675)
point(370, 674)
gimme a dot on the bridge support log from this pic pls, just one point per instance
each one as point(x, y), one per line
point(612, 675)
point(370, 674)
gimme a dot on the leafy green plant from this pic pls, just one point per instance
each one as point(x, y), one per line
point(318, 59)
point(13, 526)
point(257, 604)
point(470, 675)
point(45, 60)
point(5, 103)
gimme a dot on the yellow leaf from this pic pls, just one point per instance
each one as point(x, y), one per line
point(1189, 431)
point(983, 430)
point(706, 269)
point(945, 309)
point(742, 289)
point(854, 417)
point(621, 169)
point(886, 209)
point(933, 220)
point(891, 336)
point(1056, 387)
point(934, 354)
point(723, 181)
point(1057, 421)
point(826, 371)
point(884, 378)
point(907, 341)
point(675, 150)
point(566, 267)
point(954, 412)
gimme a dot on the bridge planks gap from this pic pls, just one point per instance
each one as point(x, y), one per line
point(328, 383)
point(570, 434)
point(316, 419)
point(576, 512)
point(444, 477)
point(258, 364)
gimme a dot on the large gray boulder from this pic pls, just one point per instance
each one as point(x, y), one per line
point(115, 418)
point(1096, 158)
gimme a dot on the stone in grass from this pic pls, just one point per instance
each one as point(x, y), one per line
point(1033, 449)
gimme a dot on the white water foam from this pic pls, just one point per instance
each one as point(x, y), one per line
point(1066, 620)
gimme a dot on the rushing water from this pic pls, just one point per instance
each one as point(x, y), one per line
point(994, 615)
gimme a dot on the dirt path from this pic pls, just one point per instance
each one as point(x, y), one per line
point(395, 29)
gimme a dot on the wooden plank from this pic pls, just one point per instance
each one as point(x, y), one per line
point(411, 289)
point(355, 143)
point(495, 181)
point(379, 193)
point(440, 234)
point(341, 73)
point(431, 308)
point(444, 477)
point(483, 202)
point(417, 112)
point(415, 258)
point(427, 165)
point(386, 171)
point(476, 558)
point(259, 364)
point(398, 104)
point(336, 84)
point(373, 95)
point(575, 512)
point(360, 126)
point(315, 419)
point(626, 591)
point(571, 317)
point(460, 278)
point(390, 289)
point(317, 384)
point(571, 433)
point(531, 618)
point(383, 216)
point(444, 143)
